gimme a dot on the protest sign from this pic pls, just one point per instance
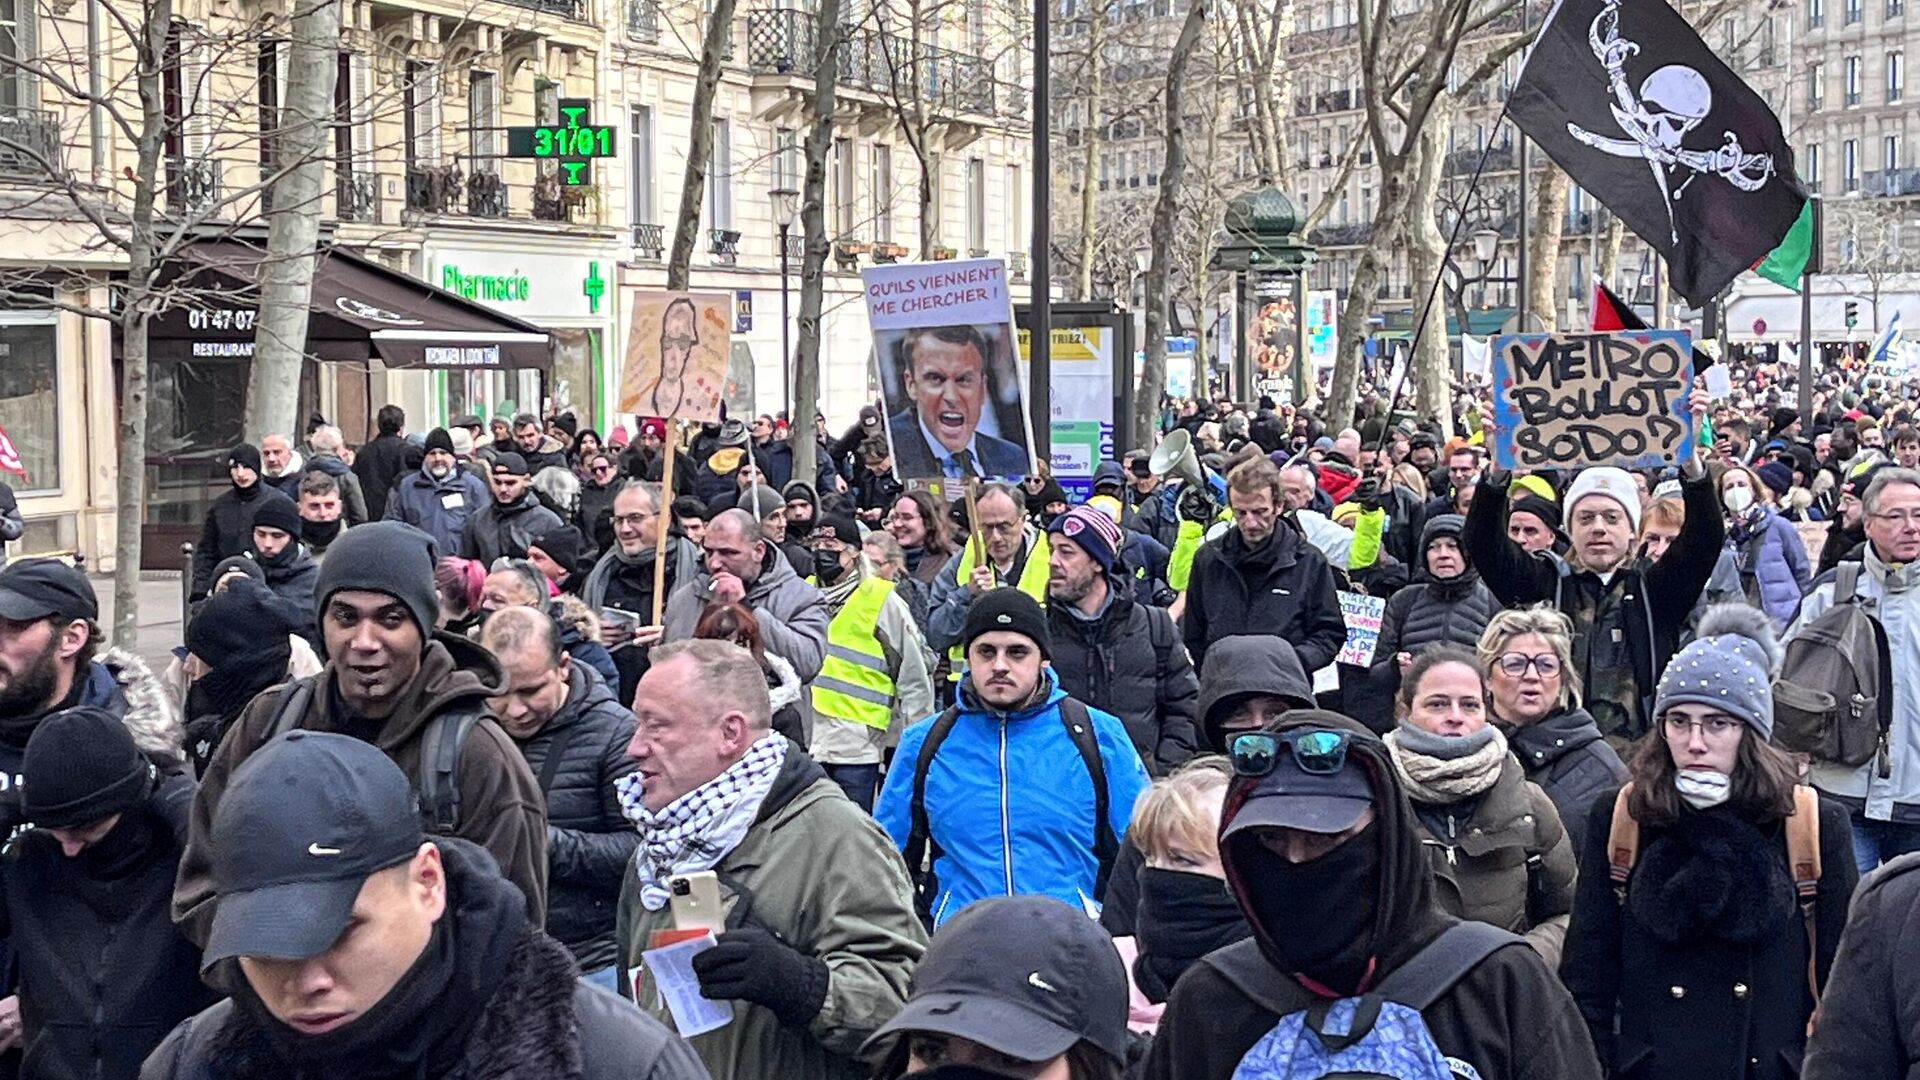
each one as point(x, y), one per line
point(677, 352)
point(944, 353)
point(1080, 409)
point(1563, 400)
point(1363, 615)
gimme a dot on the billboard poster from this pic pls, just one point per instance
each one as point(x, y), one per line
point(1080, 413)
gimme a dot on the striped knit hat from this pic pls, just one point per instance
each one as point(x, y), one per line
point(1093, 531)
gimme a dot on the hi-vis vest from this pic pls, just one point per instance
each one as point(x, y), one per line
point(1033, 582)
point(854, 683)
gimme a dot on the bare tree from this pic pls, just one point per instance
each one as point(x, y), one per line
point(693, 184)
point(813, 221)
point(1873, 234)
point(1153, 373)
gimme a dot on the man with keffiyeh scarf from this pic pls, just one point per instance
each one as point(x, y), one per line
point(821, 935)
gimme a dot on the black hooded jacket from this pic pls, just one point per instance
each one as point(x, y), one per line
point(228, 531)
point(1282, 587)
point(1129, 661)
point(1566, 755)
point(1429, 611)
point(1509, 1018)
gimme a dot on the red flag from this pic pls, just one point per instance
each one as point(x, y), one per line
point(1611, 313)
point(9, 457)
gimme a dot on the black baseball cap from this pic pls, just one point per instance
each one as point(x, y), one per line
point(46, 589)
point(1024, 976)
point(509, 463)
point(466, 420)
point(305, 821)
point(1308, 799)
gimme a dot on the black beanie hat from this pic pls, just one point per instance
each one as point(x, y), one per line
point(562, 545)
point(1547, 512)
point(839, 526)
point(233, 623)
point(80, 767)
point(1011, 610)
point(278, 512)
point(388, 557)
point(244, 454)
point(438, 439)
point(242, 563)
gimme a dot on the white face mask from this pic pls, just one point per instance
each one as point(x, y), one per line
point(1737, 499)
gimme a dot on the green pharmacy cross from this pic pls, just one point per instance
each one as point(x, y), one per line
point(572, 143)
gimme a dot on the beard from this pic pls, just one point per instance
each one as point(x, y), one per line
point(28, 691)
point(1070, 592)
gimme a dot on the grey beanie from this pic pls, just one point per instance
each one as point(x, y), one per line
point(389, 557)
point(1730, 666)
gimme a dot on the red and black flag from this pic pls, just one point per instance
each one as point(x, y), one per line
point(1625, 97)
point(1610, 313)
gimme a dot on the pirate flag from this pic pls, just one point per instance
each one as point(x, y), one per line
point(1625, 97)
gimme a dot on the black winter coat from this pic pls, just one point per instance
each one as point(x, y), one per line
point(1429, 611)
point(378, 464)
point(1691, 1001)
point(103, 972)
point(227, 531)
point(589, 842)
point(495, 530)
point(1870, 1016)
point(1565, 754)
point(1284, 588)
point(1111, 663)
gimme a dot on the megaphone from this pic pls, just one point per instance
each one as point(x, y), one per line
point(1175, 456)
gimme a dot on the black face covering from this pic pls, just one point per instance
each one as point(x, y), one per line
point(955, 1072)
point(826, 566)
point(1318, 916)
point(1182, 917)
point(126, 847)
point(320, 533)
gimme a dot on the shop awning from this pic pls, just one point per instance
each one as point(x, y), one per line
point(362, 310)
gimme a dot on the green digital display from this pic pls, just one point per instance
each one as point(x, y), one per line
point(573, 142)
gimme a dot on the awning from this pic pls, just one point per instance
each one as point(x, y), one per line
point(362, 310)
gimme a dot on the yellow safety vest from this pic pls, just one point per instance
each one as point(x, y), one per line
point(854, 683)
point(1033, 582)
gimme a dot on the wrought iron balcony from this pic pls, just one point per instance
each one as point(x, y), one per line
point(649, 240)
point(643, 20)
point(1342, 235)
point(569, 9)
point(1892, 183)
point(30, 142)
point(724, 245)
point(356, 196)
point(433, 189)
point(486, 195)
point(193, 184)
point(786, 41)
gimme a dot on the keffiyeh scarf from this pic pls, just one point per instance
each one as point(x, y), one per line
point(697, 830)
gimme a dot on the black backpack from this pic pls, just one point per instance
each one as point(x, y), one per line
point(1079, 724)
point(438, 783)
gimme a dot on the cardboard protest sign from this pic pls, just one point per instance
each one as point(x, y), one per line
point(677, 351)
point(944, 352)
point(1363, 615)
point(1563, 400)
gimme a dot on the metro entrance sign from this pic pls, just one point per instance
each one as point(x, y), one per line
point(573, 142)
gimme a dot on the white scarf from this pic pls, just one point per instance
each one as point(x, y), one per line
point(1703, 789)
point(698, 829)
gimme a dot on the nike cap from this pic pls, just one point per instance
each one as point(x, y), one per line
point(305, 821)
point(1025, 976)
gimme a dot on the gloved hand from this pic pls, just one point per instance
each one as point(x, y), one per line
point(1372, 494)
point(1196, 504)
point(750, 964)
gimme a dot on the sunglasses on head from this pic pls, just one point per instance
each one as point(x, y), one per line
point(1321, 753)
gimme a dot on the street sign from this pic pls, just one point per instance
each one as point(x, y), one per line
point(572, 143)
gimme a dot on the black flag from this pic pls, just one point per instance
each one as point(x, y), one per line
point(1625, 97)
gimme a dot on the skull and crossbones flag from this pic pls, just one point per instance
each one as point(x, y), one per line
point(1625, 97)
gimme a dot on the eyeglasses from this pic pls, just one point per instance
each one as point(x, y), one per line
point(1900, 519)
point(1000, 528)
point(634, 521)
point(1321, 753)
point(1716, 725)
point(1516, 664)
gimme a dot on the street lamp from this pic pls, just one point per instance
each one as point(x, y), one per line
point(1486, 244)
point(786, 203)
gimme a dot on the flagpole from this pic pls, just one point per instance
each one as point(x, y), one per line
point(1520, 308)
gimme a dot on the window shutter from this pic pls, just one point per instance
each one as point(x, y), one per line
point(195, 63)
point(360, 108)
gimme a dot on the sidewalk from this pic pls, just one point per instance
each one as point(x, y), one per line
point(160, 628)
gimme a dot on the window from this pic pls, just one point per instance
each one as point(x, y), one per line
point(1895, 8)
point(976, 204)
point(271, 82)
point(483, 121)
point(1016, 215)
point(30, 396)
point(420, 102)
point(720, 177)
point(1853, 9)
point(1896, 76)
point(1890, 152)
point(19, 40)
point(1810, 168)
point(1816, 13)
point(786, 159)
point(1853, 80)
point(880, 181)
point(843, 189)
point(640, 167)
point(1816, 87)
point(1850, 165)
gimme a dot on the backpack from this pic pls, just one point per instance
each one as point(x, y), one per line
point(1833, 698)
point(1379, 1035)
point(438, 783)
point(1803, 860)
point(1106, 846)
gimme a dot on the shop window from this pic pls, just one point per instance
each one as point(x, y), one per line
point(30, 398)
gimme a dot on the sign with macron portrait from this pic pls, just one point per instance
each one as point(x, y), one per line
point(1566, 400)
point(944, 352)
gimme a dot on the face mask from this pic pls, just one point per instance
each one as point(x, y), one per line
point(320, 532)
point(1184, 916)
point(1737, 499)
point(1703, 789)
point(1332, 947)
point(826, 566)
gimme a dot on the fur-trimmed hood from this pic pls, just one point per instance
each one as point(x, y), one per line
point(121, 681)
point(783, 683)
point(574, 613)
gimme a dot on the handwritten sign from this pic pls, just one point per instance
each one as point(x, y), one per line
point(1363, 614)
point(1592, 399)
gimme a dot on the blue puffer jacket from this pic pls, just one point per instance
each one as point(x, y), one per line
point(439, 508)
point(1010, 803)
point(1768, 548)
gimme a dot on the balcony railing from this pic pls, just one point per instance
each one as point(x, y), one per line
point(433, 189)
point(649, 240)
point(1586, 222)
point(29, 142)
point(1342, 235)
point(796, 245)
point(1892, 183)
point(724, 245)
point(570, 9)
point(486, 195)
point(356, 196)
point(1464, 162)
point(643, 20)
point(193, 184)
point(784, 41)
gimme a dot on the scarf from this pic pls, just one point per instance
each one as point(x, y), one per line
point(1438, 770)
point(1703, 789)
point(698, 829)
point(1182, 917)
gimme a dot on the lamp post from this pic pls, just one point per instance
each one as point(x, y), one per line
point(786, 203)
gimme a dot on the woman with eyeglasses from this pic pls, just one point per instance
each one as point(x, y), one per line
point(596, 499)
point(920, 524)
point(1534, 692)
point(1494, 840)
point(1766, 549)
point(1697, 948)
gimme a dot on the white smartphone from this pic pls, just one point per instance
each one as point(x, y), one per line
point(695, 901)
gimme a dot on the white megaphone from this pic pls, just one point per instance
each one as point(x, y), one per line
point(1174, 456)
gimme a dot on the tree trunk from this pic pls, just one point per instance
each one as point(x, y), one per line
point(1089, 169)
point(1153, 374)
point(813, 224)
point(1431, 371)
point(1609, 259)
point(1395, 192)
point(693, 185)
point(1543, 255)
point(293, 228)
point(130, 487)
point(929, 210)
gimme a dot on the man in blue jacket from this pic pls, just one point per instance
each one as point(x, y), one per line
point(439, 497)
point(1011, 803)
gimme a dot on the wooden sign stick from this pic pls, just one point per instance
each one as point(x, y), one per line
point(973, 522)
point(665, 514)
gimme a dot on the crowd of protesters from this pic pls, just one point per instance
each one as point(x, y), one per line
point(465, 723)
